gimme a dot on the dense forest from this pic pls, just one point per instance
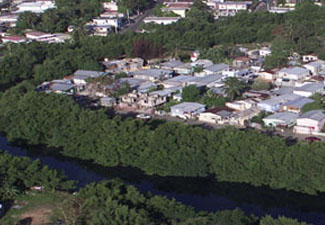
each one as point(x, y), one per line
point(158, 147)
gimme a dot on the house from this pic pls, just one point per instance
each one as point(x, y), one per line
point(242, 118)
point(155, 98)
point(58, 87)
point(161, 20)
point(310, 89)
point(185, 68)
point(280, 9)
point(268, 75)
point(170, 65)
point(106, 21)
point(242, 105)
point(273, 104)
point(14, 39)
point(39, 36)
point(187, 110)
point(283, 91)
point(152, 74)
point(292, 76)
point(179, 8)
point(80, 77)
point(220, 115)
point(216, 69)
point(38, 6)
point(178, 81)
point(310, 122)
point(110, 6)
point(296, 105)
point(315, 67)
point(133, 83)
point(265, 51)
point(283, 119)
point(309, 58)
point(9, 20)
point(231, 8)
point(204, 63)
point(241, 62)
point(207, 81)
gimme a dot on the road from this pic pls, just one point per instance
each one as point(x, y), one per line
point(139, 19)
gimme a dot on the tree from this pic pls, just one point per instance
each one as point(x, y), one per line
point(233, 87)
point(191, 93)
point(260, 84)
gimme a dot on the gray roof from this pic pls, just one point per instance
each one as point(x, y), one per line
point(165, 92)
point(280, 99)
point(316, 63)
point(188, 106)
point(171, 64)
point(152, 73)
point(314, 115)
point(284, 116)
point(217, 67)
point(89, 73)
point(284, 90)
point(132, 81)
point(208, 79)
point(61, 86)
point(299, 102)
point(224, 113)
point(312, 87)
point(299, 71)
point(181, 79)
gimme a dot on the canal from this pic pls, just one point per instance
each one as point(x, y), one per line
point(200, 193)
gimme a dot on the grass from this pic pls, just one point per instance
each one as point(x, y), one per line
point(32, 203)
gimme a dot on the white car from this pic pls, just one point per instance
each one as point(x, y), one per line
point(144, 116)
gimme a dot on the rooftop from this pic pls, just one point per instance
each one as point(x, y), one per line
point(284, 116)
point(314, 115)
point(171, 64)
point(299, 102)
point(217, 67)
point(89, 73)
point(295, 70)
point(312, 87)
point(152, 72)
point(188, 106)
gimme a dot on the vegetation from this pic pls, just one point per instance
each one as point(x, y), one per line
point(260, 84)
point(233, 87)
point(319, 103)
point(191, 93)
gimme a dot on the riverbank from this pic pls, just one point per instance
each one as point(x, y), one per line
point(201, 193)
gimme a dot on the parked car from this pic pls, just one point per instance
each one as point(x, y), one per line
point(144, 116)
point(312, 139)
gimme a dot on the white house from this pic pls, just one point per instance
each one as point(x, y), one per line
point(286, 119)
point(310, 89)
point(309, 58)
point(242, 105)
point(315, 67)
point(161, 20)
point(216, 115)
point(179, 8)
point(110, 6)
point(265, 51)
point(152, 74)
point(80, 77)
point(187, 110)
point(101, 21)
point(10, 19)
point(292, 76)
point(231, 8)
point(267, 75)
point(38, 6)
point(39, 36)
point(310, 122)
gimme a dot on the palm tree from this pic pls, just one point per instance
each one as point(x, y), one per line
point(233, 87)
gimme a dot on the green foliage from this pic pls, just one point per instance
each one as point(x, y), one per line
point(191, 93)
point(19, 174)
point(268, 220)
point(260, 84)
point(213, 100)
point(124, 89)
point(233, 87)
point(120, 75)
point(275, 61)
point(259, 117)
point(319, 103)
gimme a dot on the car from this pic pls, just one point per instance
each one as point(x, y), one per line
point(312, 139)
point(144, 116)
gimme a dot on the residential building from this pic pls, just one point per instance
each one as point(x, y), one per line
point(107, 101)
point(152, 74)
point(14, 39)
point(241, 62)
point(39, 36)
point(178, 81)
point(38, 6)
point(9, 20)
point(309, 58)
point(161, 20)
point(242, 118)
point(296, 105)
point(282, 119)
point(80, 77)
point(231, 8)
point(310, 122)
point(179, 8)
point(207, 81)
point(267, 75)
point(204, 63)
point(265, 51)
point(170, 65)
point(242, 105)
point(273, 104)
point(220, 115)
point(315, 67)
point(216, 69)
point(310, 89)
point(280, 9)
point(58, 87)
point(292, 76)
point(187, 110)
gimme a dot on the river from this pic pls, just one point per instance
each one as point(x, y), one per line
point(200, 193)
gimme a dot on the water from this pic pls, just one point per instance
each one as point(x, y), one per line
point(200, 193)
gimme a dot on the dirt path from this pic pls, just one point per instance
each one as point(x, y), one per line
point(40, 215)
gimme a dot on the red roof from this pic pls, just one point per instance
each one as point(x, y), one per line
point(243, 58)
point(14, 38)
